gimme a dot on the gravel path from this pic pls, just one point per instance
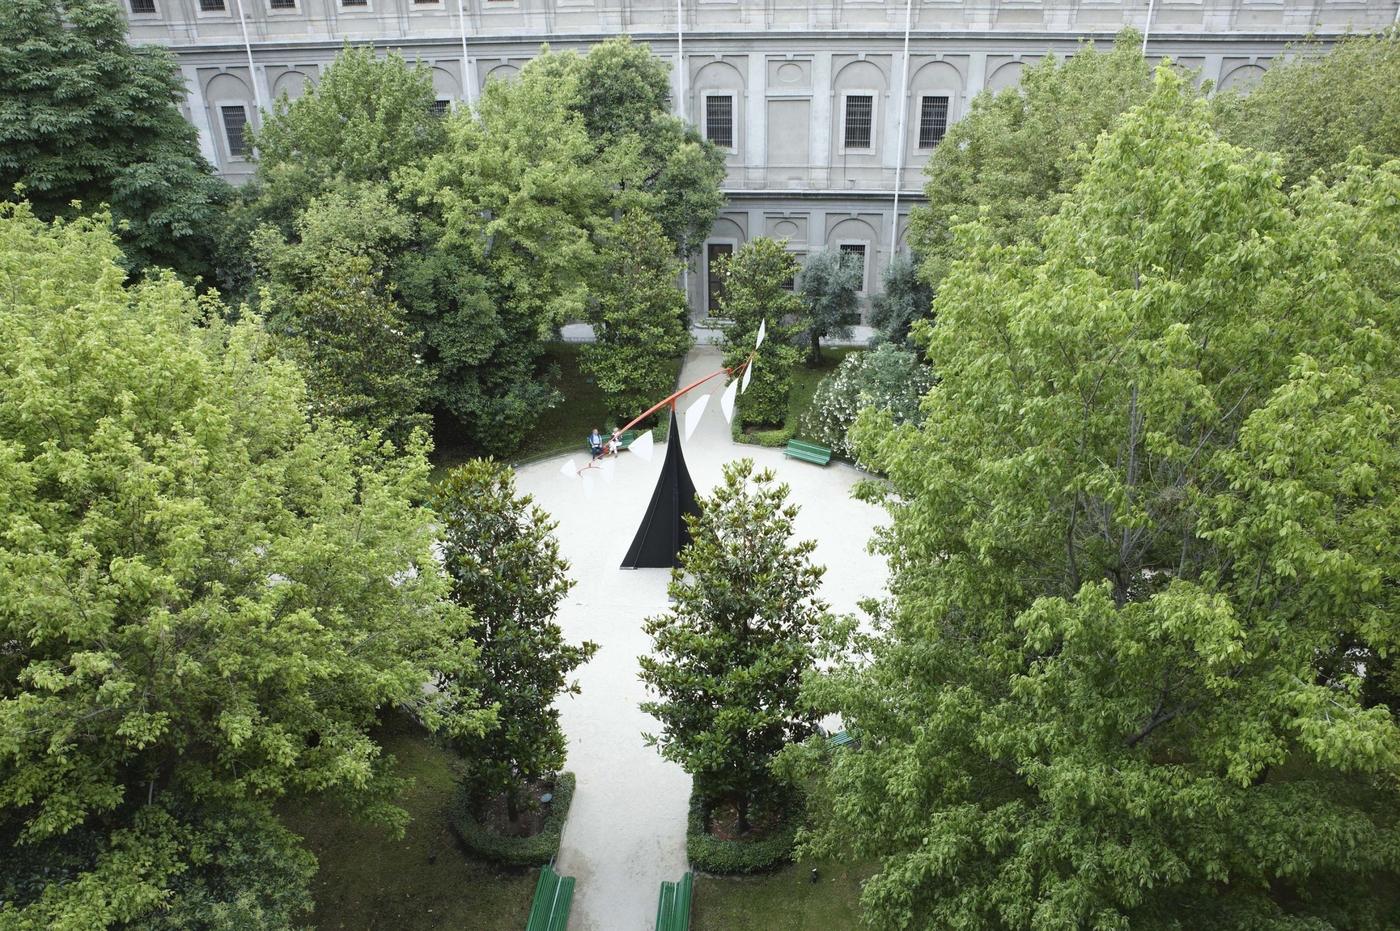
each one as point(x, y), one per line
point(626, 831)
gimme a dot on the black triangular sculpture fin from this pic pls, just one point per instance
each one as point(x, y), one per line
point(663, 531)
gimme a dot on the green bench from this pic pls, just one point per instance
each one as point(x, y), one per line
point(553, 895)
point(842, 739)
point(808, 452)
point(673, 907)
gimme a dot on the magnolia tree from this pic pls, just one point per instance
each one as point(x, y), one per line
point(206, 602)
point(731, 653)
point(503, 557)
point(755, 295)
point(1138, 669)
point(640, 318)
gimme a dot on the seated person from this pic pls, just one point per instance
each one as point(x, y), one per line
point(595, 443)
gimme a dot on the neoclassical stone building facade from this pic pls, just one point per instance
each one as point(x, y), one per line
point(828, 109)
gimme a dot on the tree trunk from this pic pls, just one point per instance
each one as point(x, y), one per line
point(814, 358)
point(512, 805)
point(743, 814)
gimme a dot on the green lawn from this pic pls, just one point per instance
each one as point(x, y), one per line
point(783, 901)
point(805, 379)
point(370, 881)
point(560, 429)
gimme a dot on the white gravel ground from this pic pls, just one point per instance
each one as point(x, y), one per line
point(626, 831)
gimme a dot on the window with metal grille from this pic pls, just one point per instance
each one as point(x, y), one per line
point(211, 6)
point(860, 115)
point(282, 4)
point(933, 121)
point(354, 2)
point(857, 252)
point(235, 118)
point(714, 281)
point(143, 6)
point(719, 121)
point(440, 107)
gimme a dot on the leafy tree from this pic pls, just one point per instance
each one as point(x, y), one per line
point(888, 378)
point(623, 94)
point(357, 353)
point(1141, 552)
point(205, 599)
point(830, 285)
point(364, 119)
point(905, 299)
point(504, 561)
point(1016, 153)
point(754, 292)
point(1314, 108)
point(640, 318)
point(334, 314)
point(731, 653)
point(519, 202)
point(86, 117)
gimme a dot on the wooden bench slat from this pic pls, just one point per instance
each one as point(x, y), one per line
point(808, 452)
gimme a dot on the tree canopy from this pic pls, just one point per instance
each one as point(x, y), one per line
point(756, 294)
point(503, 557)
point(640, 317)
point(1015, 153)
point(1137, 669)
point(1317, 106)
point(731, 654)
point(86, 117)
point(206, 599)
point(492, 226)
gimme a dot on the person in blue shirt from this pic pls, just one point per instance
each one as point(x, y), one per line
point(595, 443)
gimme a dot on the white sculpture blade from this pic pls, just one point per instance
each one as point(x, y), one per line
point(694, 413)
point(642, 445)
point(762, 332)
point(568, 469)
point(726, 400)
point(748, 373)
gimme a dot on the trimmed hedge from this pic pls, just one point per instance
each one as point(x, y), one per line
point(775, 438)
point(710, 854)
point(514, 851)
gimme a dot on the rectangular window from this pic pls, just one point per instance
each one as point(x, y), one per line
point(933, 121)
point(282, 4)
point(440, 107)
point(719, 121)
point(714, 281)
point(211, 6)
point(857, 250)
point(235, 118)
point(143, 6)
point(354, 2)
point(860, 116)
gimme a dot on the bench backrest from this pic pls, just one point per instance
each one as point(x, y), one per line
point(673, 905)
point(554, 894)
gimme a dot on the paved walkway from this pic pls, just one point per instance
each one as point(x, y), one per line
point(626, 831)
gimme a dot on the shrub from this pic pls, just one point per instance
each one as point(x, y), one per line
point(887, 377)
point(710, 854)
point(535, 850)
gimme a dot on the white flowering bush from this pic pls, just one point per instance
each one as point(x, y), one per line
point(887, 377)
